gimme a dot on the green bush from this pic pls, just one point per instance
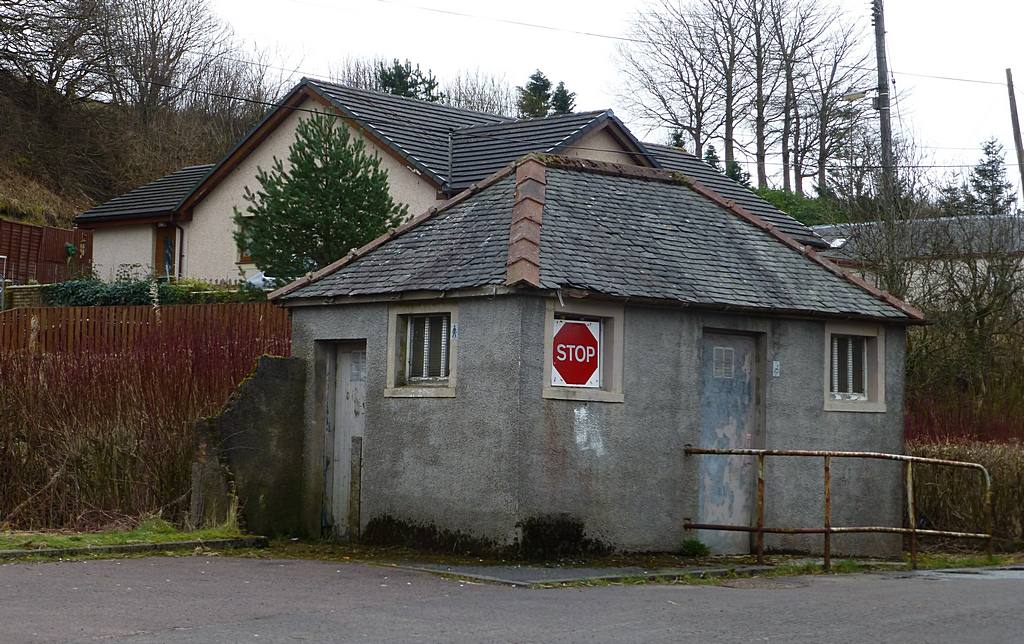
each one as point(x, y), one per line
point(694, 548)
point(136, 292)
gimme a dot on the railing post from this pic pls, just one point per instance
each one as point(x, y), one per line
point(828, 514)
point(760, 509)
point(989, 515)
point(908, 468)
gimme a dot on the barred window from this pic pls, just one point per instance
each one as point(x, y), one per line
point(849, 379)
point(426, 348)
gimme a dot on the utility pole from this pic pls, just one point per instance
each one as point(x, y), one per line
point(1016, 126)
point(882, 105)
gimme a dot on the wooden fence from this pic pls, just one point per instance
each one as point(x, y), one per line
point(114, 329)
point(39, 253)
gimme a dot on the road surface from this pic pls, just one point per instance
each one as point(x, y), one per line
point(223, 599)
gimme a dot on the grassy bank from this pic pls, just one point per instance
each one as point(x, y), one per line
point(152, 530)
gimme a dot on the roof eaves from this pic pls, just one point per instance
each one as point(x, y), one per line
point(910, 311)
point(383, 138)
point(388, 236)
point(281, 104)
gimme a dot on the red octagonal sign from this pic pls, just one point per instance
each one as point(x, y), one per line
point(576, 354)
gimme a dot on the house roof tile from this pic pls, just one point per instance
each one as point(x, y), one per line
point(159, 197)
point(616, 231)
point(675, 159)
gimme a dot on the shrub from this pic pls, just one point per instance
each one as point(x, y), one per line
point(953, 499)
point(694, 548)
point(139, 292)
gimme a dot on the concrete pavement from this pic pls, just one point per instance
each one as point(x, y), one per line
point(223, 599)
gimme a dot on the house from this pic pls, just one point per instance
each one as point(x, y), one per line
point(548, 342)
point(917, 249)
point(182, 225)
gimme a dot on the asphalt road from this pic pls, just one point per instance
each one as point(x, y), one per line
point(221, 599)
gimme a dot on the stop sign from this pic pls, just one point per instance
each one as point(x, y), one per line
point(576, 354)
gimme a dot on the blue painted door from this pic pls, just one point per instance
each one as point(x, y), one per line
point(728, 412)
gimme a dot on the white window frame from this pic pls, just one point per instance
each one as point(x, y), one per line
point(398, 337)
point(611, 318)
point(874, 367)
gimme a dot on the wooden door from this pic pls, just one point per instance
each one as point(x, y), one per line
point(346, 427)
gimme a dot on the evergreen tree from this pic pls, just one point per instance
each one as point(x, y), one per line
point(403, 79)
point(711, 158)
point(332, 197)
point(736, 172)
point(677, 139)
point(990, 191)
point(535, 97)
point(986, 190)
point(562, 100)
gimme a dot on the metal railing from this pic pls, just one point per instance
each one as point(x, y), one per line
point(827, 528)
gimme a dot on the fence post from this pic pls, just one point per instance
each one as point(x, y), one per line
point(760, 509)
point(828, 514)
point(908, 468)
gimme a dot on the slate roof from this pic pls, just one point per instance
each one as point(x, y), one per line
point(978, 234)
point(672, 158)
point(482, 150)
point(619, 235)
point(160, 197)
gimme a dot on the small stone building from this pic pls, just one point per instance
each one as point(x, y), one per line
point(550, 341)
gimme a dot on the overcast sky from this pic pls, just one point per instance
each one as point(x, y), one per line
point(974, 40)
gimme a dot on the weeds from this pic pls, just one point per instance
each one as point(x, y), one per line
point(953, 499)
point(89, 439)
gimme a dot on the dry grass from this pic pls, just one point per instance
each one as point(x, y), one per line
point(953, 499)
point(91, 439)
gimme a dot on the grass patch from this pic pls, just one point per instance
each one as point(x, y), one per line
point(933, 560)
point(151, 530)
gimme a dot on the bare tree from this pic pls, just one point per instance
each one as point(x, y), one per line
point(837, 69)
point(476, 90)
point(762, 66)
point(670, 80)
point(798, 24)
point(360, 73)
point(157, 50)
point(726, 32)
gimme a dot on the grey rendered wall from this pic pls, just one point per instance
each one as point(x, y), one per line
point(443, 461)
point(864, 492)
point(499, 453)
point(621, 469)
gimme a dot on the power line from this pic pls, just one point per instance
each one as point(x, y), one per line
point(591, 34)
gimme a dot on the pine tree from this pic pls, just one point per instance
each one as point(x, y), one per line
point(711, 158)
point(535, 97)
point(402, 79)
point(332, 197)
point(677, 139)
point(986, 191)
point(736, 172)
point(990, 191)
point(562, 100)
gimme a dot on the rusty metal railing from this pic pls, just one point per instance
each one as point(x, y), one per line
point(827, 529)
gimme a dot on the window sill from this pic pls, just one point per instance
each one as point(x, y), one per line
point(582, 395)
point(866, 406)
point(419, 392)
